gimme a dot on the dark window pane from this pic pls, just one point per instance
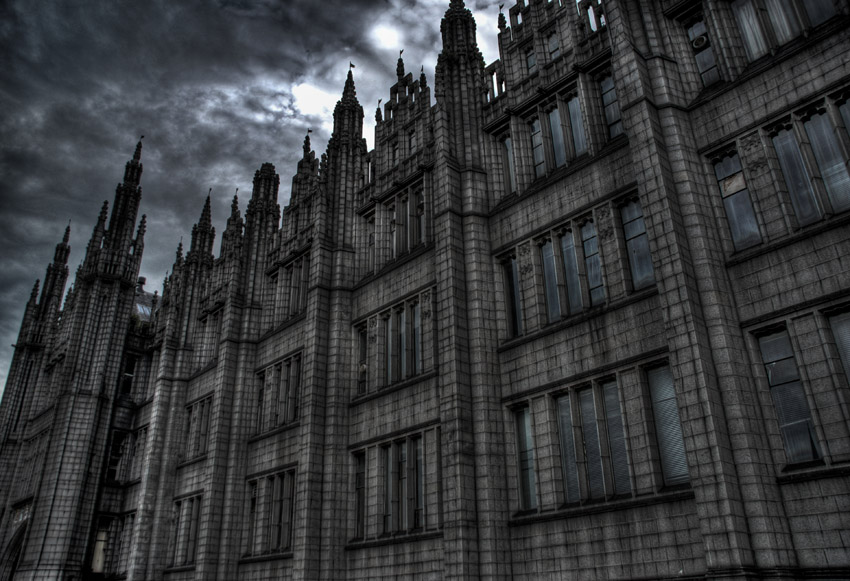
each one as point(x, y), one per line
point(742, 220)
point(755, 43)
point(819, 10)
point(525, 448)
point(592, 452)
point(550, 280)
point(830, 161)
point(797, 178)
point(841, 331)
point(568, 253)
point(668, 426)
point(568, 451)
point(577, 126)
point(557, 138)
point(616, 439)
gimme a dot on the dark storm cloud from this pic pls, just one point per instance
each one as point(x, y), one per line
point(217, 88)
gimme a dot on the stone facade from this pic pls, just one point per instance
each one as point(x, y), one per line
point(586, 317)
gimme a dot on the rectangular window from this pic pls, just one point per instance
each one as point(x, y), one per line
point(389, 348)
point(592, 448)
point(703, 53)
point(592, 263)
point(571, 277)
point(271, 502)
point(611, 106)
point(616, 438)
point(525, 460)
point(537, 149)
point(569, 460)
point(554, 46)
point(416, 348)
point(637, 245)
point(186, 531)
point(786, 388)
point(363, 360)
point(841, 332)
point(419, 237)
point(766, 24)
point(370, 244)
point(797, 178)
point(401, 325)
point(418, 492)
point(736, 202)
point(668, 426)
point(513, 297)
point(558, 145)
point(831, 163)
point(360, 496)
point(411, 142)
point(577, 127)
point(198, 421)
point(390, 499)
point(401, 225)
point(394, 250)
point(260, 412)
point(530, 61)
point(550, 281)
point(508, 163)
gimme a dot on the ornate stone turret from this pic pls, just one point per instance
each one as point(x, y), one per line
point(231, 239)
point(203, 236)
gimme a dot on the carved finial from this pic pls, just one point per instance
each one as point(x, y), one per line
point(234, 205)
point(307, 143)
point(399, 69)
point(378, 116)
point(67, 235)
point(143, 226)
point(349, 93)
point(180, 251)
point(138, 154)
point(503, 23)
point(34, 293)
point(206, 213)
point(422, 80)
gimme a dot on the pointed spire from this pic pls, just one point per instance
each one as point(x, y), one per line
point(34, 293)
point(349, 94)
point(143, 227)
point(423, 82)
point(206, 213)
point(137, 156)
point(179, 257)
point(307, 147)
point(234, 205)
point(67, 236)
point(399, 69)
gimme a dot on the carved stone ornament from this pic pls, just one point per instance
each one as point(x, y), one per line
point(752, 151)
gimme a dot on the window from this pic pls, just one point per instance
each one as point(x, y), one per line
point(530, 61)
point(786, 389)
point(395, 341)
point(271, 503)
point(611, 106)
point(736, 202)
point(403, 478)
point(554, 46)
point(129, 372)
point(550, 281)
point(525, 460)
point(508, 164)
point(668, 426)
point(593, 13)
point(298, 275)
point(197, 427)
point(417, 222)
point(592, 263)
point(277, 394)
point(370, 244)
point(186, 517)
point(765, 24)
point(113, 542)
point(557, 132)
point(360, 496)
point(577, 127)
point(841, 332)
point(362, 360)
point(513, 300)
point(703, 53)
point(587, 462)
point(803, 199)
point(637, 245)
point(571, 276)
point(829, 159)
point(411, 141)
point(537, 149)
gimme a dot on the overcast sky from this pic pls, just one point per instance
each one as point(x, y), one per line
point(217, 89)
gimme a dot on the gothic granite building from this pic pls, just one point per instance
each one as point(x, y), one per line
point(586, 317)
